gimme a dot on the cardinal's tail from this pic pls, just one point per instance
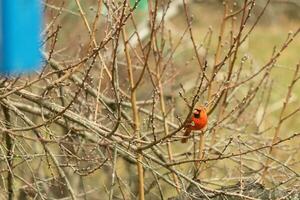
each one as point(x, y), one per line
point(186, 134)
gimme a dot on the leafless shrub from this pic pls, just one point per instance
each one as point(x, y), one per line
point(104, 115)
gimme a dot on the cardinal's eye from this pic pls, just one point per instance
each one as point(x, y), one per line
point(197, 115)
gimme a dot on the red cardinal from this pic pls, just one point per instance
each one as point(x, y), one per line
point(197, 122)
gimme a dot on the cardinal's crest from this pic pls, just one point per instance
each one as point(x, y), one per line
point(193, 123)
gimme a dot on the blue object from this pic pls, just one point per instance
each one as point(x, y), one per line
point(20, 36)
